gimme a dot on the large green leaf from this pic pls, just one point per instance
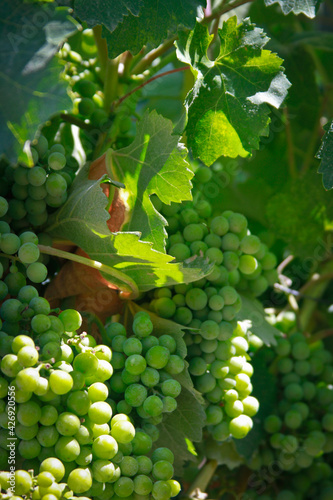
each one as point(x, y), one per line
point(153, 24)
point(307, 7)
point(82, 220)
point(325, 154)
point(153, 164)
point(30, 86)
point(228, 106)
point(107, 12)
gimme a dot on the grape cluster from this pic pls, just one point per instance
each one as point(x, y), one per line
point(67, 426)
point(217, 344)
point(32, 193)
point(299, 433)
point(83, 73)
point(143, 383)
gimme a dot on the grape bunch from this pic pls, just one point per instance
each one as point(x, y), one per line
point(299, 432)
point(241, 259)
point(143, 383)
point(217, 354)
point(83, 73)
point(67, 426)
point(32, 193)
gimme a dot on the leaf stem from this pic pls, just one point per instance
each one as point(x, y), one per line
point(121, 280)
point(203, 479)
point(147, 60)
point(161, 75)
point(111, 82)
point(223, 9)
point(102, 49)
point(74, 120)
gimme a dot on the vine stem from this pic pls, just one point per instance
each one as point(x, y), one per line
point(222, 10)
point(124, 282)
point(322, 334)
point(119, 101)
point(147, 60)
point(102, 49)
point(203, 479)
point(75, 121)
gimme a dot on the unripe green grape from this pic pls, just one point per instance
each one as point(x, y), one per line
point(179, 251)
point(56, 161)
point(240, 426)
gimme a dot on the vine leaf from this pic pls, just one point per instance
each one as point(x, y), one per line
point(307, 7)
point(325, 154)
point(29, 78)
point(253, 312)
point(153, 164)
point(185, 423)
point(228, 105)
point(131, 24)
point(107, 12)
point(83, 220)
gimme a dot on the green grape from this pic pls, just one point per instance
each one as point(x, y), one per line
point(132, 346)
point(247, 264)
point(100, 412)
point(78, 402)
point(29, 449)
point(56, 161)
point(193, 232)
point(196, 299)
point(161, 490)
point(37, 272)
point(86, 106)
point(142, 325)
point(67, 424)
point(135, 364)
point(48, 416)
point(164, 307)
point(240, 426)
point(141, 443)
point(47, 436)
point(67, 448)
point(157, 357)
point(27, 379)
point(105, 447)
point(10, 243)
point(80, 480)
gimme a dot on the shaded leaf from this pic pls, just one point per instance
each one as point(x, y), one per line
point(186, 422)
point(228, 106)
point(298, 214)
point(253, 312)
point(107, 12)
point(154, 23)
point(29, 78)
point(224, 453)
point(153, 164)
point(307, 7)
point(325, 154)
point(83, 220)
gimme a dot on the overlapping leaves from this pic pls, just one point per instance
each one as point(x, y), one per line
point(83, 220)
point(29, 77)
point(228, 107)
point(131, 24)
point(153, 164)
